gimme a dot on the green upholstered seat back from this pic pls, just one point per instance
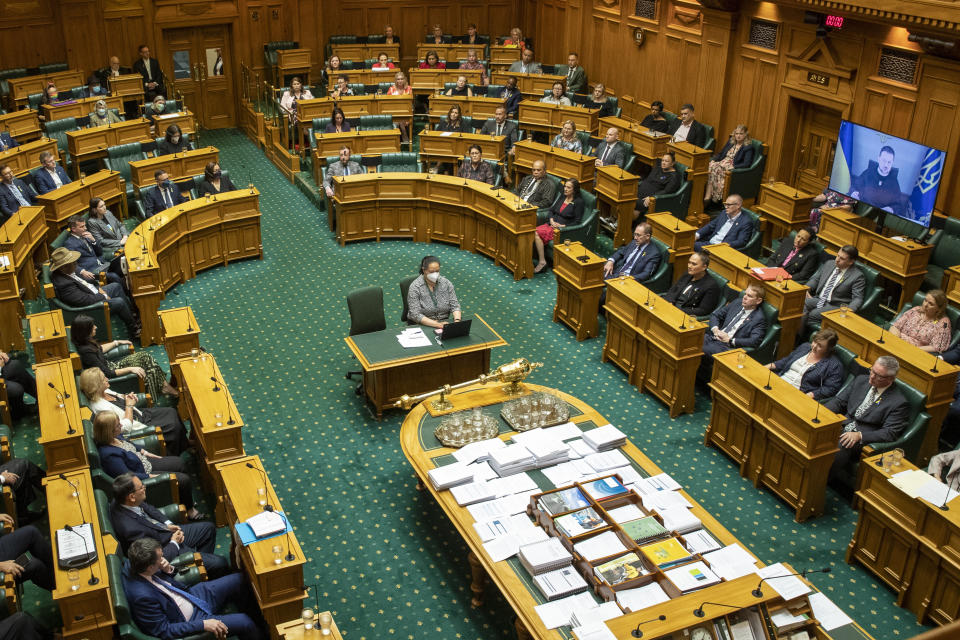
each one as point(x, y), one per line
point(366, 310)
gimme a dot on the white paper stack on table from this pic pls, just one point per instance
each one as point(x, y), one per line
point(731, 562)
point(478, 451)
point(472, 492)
point(679, 518)
point(605, 438)
point(557, 613)
point(642, 597)
point(413, 337)
point(546, 449)
point(589, 617)
point(513, 459)
point(600, 546)
point(450, 475)
point(541, 557)
point(560, 583)
point(692, 576)
point(917, 483)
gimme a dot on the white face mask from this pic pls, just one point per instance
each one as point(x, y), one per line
point(101, 112)
point(175, 139)
point(434, 276)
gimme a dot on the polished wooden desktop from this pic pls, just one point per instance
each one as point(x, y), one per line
point(697, 162)
point(426, 81)
point(657, 345)
point(183, 119)
point(293, 629)
point(293, 62)
point(175, 244)
point(921, 370)
point(128, 85)
point(951, 283)
point(677, 235)
point(480, 108)
point(373, 142)
point(63, 451)
point(92, 143)
point(782, 208)
point(22, 125)
point(648, 145)
point(22, 88)
point(24, 238)
point(11, 306)
point(400, 107)
point(74, 199)
point(78, 108)
point(180, 332)
point(179, 166)
point(531, 85)
point(446, 146)
point(86, 609)
point(579, 274)
point(26, 156)
point(358, 52)
point(450, 52)
point(503, 55)
point(616, 191)
point(787, 297)
point(903, 262)
point(427, 208)
point(549, 118)
point(48, 336)
point(780, 437)
point(559, 162)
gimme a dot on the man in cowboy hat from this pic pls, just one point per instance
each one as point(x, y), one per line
point(75, 289)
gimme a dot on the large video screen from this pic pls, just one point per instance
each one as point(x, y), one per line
point(896, 175)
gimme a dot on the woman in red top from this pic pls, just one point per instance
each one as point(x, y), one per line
point(382, 63)
point(401, 88)
point(565, 211)
point(433, 61)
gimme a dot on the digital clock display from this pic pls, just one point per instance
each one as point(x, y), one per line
point(835, 22)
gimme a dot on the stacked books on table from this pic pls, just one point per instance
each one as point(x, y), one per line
point(544, 556)
point(605, 438)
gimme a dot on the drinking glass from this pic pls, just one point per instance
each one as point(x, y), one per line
point(325, 621)
point(73, 575)
point(218, 417)
point(844, 311)
point(262, 496)
point(307, 616)
point(887, 462)
point(277, 554)
point(741, 358)
point(897, 455)
point(194, 354)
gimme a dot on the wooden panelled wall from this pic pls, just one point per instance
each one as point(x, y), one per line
point(699, 55)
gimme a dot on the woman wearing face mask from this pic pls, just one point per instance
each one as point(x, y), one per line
point(215, 182)
point(431, 299)
point(102, 115)
point(157, 108)
point(94, 88)
point(173, 142)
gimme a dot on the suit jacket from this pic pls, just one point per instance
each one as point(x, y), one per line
point(617, 155)
point(543, 195)
point(517, 67)
point(110, 118)
point(512, 103)
point(577, 80)
point(90, 252)
point(337, 169)
point(153, 202)
point(700, 300)
point(165, 148)
point(849, 290)
point(129, 526)
point(953, 357)
point(104, 74)
point(109, 231)
point(510, 131)
point(225, 185)
point(737, 236)
point(8, 202)
point(644, 266)
point(141, 68)
point(883, 421)
point(802, 266)
point(751, 332)
point(44, 181)
point(697, 135)
point(743, 157)
point(155, 612)
point(6, 141)
point(116, 462)
point(332, 128)
point(72, 293)
point(823, 379)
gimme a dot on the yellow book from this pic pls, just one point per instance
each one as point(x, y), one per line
point(665, 553)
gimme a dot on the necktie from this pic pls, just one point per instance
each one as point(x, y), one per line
point(862, 409)
point(346, 170)
point(736, 322)
point(828, 288)
point(499, 129)
point(789, 257)
point(603, 158)
point(196, 601)
point(167, 199)
point(143, 514)
point(628, 265)
point(15, 190)
point(530, 189)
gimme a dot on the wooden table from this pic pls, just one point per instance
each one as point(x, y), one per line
point(21, 88)
point(180, 332)
point(48, 336)
point(617, 190)
point(90, 144)
point(951, 283)
point(677, 235)
point(26, 156)
point(175, 244)
point(476, 107)
point(22, 125)
point(916, 368)
point(183, 119)
point(657, 345)
point(74, 198)
point(560, 162)
point(63, 451)
point(358, 52)
point(451, 52)
point(390, 371)
point(366, 143)
point(87, 612)
point(78, 108)
point(445, 146)
point(549, 117)
point(400, 107)
point(782, 209)
point(362, 76)
point(648, 145)
point(126, 85)
point(178, 165)
point(293, 629)
point(787, 297)
point(24, 238)
point(11, 307)
point(902, 262)
point(427, 81)
point(503, 55)
point(425, 207)
point(697, 161)
point(293, 62)
point(531, 85)
point(579, 273)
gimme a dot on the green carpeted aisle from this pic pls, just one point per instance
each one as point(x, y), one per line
point(387, 562)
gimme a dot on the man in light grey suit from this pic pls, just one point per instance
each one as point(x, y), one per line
point(537, 189)
point(611, 151)
point(346, 167)
point(576, 76)
point(526, 64)
point(500, 126)
point(837, 284)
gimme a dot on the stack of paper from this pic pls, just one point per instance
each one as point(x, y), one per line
point(679, 518)
point(471, 492)
point(560, 583)
point(918, 484)
point(593, 631)
point(413, 337)
point(478, 451)
point(731, 562)
point(502, 526)
point(563, 474)
point(664, 500)
point(779, 578)
point(642, 597)
point(541, 557)
point(690, 577)
point(517, 483)
point(606, 611)
point(829, 615)
point(450, 475)
point(557, 613)
point(626, 513)
point(505, 546)
point(605, 438)
point(506, 506)
point(510, 460)
point(607, 460)
point(600, 546)
point(701, 542)
point(546, 450)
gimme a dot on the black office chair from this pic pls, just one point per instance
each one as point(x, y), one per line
point(366, 316)
point(404, 289)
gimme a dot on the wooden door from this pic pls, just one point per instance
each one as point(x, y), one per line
point(816, 146)
point(203, 72)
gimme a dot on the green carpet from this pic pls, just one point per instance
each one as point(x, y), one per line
point(386, 560)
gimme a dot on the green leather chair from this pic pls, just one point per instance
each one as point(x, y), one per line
point(5, 76)
point(170, 106)
point(52, 67)
point(848, 359)
point(746, 180)
point(57, 129)
point(711, 140)
point(953, 314)
point(383, 87)
point(400, 162)
point(77, 93)
point(871, 292)
point(765, 352)
point(198, 180)
point(493, 90)
point(404, 289)
point(358, 88)
point(918, 421)
point(946, 253)
point(100, 312)
point(726, 293)
point(33, 101)
point(366, 316)
point(754, 244)
point(376, 123)
point(584, 137)
point(662, 278)
point(119, 159)
point(678, 202)
point(270, 51)
point(344, 39)
point(896, 226)
point(318, 125)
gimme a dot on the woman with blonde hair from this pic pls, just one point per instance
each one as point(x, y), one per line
point(927, 326)
point(736, 154)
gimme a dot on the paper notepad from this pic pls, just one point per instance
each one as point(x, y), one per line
point(266, 523)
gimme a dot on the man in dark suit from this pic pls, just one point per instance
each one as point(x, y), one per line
point(874, 409)
point(149, 68)
point(500, 126)
point(511, 97)
point(77, 288)
point(576, 76)
point(133, 517)
point(39, 567)
point(14, 193)
point(687, 129)
point(164, 609)
point(695, 293)
point(91, 251)
point(798, 258)
point(51, 175)
point(22, 626)
point(638, 259)
point(346, 167)
point(733, 227)
point(837, 284)
point(7, 141)
point(111, 70)
point(165, 196)
point(611, 151)
point(536, 188)
point(19, 382)
point(737, 325)
point(950, 432)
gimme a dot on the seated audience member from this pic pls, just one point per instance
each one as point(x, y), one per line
point(610, 151)
point(511, 97)
point(96, 387)
point(14, 193)
point(22, 626)
point(500, 126)
point(334, 64)
point(431, 299)
point(341, 88)
point(475, 168)
point(214, 181)
point(94, 88)
point(156, 108)
point(598, 100)
point(7, 141)
point(338, 122)
point(515, 39)
point(77, 288)
point(812, 368)
point(695, 292)
point(106, 229)
point(739, 324)
point(829, 200)
point(736, 154)
point(576, 76)
point(536, 188)
point(167, 610)
point(92, 258)
point(51, 95)
point(290, 98)
point(461, 88)
point(687, 129)
point(400, 87)
point(83, 334)
point(383, 63)
point(39, 568)
point(165, 196)
point(51, 175)
point(638, 259)
point(663, 179)
point(567, 138)
point(19, 381)
point(25, 479)
point(654, 121)
point(525, 64)
point(874, 411)
point(149, 68)
point(432, 61)
point(437, 36)
point(839, 283)
point(112, 70)
point(557, 95)
point(473, 64)
point(798, 258)
point(389, 37)
point(101, 115)
point(173, 142)
point(346, 167)
point(472, 36)
point(926, 327)
point(566, 211)
point(453, 122)
point(732, 227)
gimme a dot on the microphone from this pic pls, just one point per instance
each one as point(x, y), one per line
point(56, 391)
point(636, 633)
point(216, 387)
point(683, 321)
point(936, 357)
point(286, 529)
point(767, 386)
point(699, 610)
point(93, 579)
point(263, 474)
point(946, 498)
point(62, 384)
point(76, 494)
point(816, 419)
point(880, 340)
point(803, 574)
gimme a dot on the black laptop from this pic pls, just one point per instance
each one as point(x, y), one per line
point(456, 329)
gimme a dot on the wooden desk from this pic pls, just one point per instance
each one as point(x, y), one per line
point(771, 433)
point(560, 162)
point(177, 243)
point(183, 119)
point(428, 208)
point(278, 586)
point(48, 336)
point(11, 307)
point(909, 543)
point(89, 144)
point(436, 146)
point(366, 143)
point(362, 76)
point(697, 161)
point(26, 156)
point(87, 612)
point(180, 332)
point(127, 85)
point(23, 237)
point(860, 336)
point(549, 117)
point(358, 52)
point(476, 107)
point(787, 297)
point(293, 629)
point(902, 262)
point(22, 125)
point(530, 84)
point(783, 209)
point(21, 88)
point(617, 190)
point(951, 283)
point(426, 81)
point(74, 198)
point(503, 55)
point(79, 108)
point(656, 344)
point(63, 451)
point(452, 52)
point(579, 273)
point(178, 165)
point(291, 62)
point(400, 107)
point(676, 234)
point(390, 371)
point(648, 145)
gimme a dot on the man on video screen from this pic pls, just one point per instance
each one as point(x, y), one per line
point(878, 184)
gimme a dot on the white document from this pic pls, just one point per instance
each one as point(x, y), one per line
point(478, 450)
point(562, 474)
point(607, 460)
point(482, 471)
point(600, 546)
point(665, 481)
point(71, 545)
point(555, 583)
point(548, 552)
point(564, 432)
point(701, 542)
point(679, 518)
point(492, 529)
point(266, 523)
point(827, 613)
point(742, 631)
point(517, 483)
point(603, 437)
point(626, 513)
point(414, 337)
point(471, 492)
point(664, 500)
point(581, 448)
point(642, 597)
point(447, 133)
point(588, 617)
point(731, 562)
point(450, 475)
point(628, 475)
point(779, 578)
point(593, 631)
point(557, 613)
point(695, 575)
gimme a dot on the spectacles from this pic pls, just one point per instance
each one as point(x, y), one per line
point(730, 204)
point(874, 373)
